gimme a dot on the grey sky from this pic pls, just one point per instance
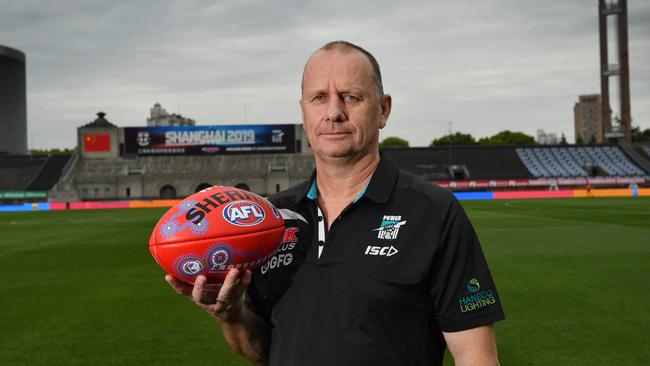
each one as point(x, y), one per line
point(484, 65)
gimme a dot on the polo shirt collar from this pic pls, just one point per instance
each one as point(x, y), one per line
point(312, 194)
point(379, 188)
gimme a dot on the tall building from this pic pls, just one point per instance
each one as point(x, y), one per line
point(13, 101)
point(588, 119)
point(614, 69)
point(160, 117)
point(547, 138)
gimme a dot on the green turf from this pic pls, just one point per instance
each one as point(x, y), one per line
point(79, 287)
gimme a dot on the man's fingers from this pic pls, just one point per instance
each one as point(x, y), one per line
point(221, 300)
point(199, 288)
point(229, 284)
point(246, 278)
point(228, 302)
point(240, 287)
point(180, 286)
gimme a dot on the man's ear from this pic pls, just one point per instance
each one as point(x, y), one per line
point(386, 106)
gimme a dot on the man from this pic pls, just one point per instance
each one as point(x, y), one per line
point(385, 268)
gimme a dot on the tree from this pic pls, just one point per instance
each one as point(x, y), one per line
point(393, 141)
point(454, 139)
point(508, 137)
point(592, 140)
point(640, 136)
point(563, 140)
point(579, 140)
point(65, 151)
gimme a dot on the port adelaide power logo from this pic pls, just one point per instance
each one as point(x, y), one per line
point(387, 230)
point(389, 227)
point(244, 213)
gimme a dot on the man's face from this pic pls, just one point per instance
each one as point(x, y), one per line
point(341, 110)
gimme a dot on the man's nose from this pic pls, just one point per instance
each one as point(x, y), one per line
point(336, 110)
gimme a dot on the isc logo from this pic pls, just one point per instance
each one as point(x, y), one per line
point(385, 251)
point(243, 213)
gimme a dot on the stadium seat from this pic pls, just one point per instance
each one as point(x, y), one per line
point(558, 162)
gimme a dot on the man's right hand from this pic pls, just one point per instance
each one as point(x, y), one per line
point(246, 332)
point(222, 301)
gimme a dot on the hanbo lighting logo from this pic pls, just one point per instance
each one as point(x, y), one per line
point(389, 227)
point(244, 213)
point(473, 285)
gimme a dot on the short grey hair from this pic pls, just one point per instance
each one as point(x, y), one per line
point(348, 46)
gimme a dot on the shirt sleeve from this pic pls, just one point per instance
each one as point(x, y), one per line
point(462, 289)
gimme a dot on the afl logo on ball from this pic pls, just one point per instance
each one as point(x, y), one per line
point(189, 266)
point(243, 213)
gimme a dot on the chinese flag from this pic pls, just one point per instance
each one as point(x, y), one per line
point(97, 142)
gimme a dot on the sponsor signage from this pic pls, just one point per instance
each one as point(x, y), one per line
point(539, 182)
point(209, 140)
point(13, 195)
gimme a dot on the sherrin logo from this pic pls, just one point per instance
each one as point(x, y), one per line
point(243, 213)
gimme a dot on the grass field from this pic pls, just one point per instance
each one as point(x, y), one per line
point(79, 287)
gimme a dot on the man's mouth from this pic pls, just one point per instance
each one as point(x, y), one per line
point(336, 133)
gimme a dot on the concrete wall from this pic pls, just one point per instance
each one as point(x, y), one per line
point(114, 132)
point(108, 176)
point(143, 177)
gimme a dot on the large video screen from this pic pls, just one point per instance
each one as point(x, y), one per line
point(209, 140)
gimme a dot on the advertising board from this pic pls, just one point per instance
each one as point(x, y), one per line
point(210, 140)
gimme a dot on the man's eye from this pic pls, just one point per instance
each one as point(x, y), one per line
point(318, 98)
point(350, 98)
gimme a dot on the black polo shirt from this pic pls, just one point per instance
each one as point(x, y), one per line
point(398, 266)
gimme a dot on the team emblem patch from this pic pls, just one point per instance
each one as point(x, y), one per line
point(389, 227)
point(218, 257)
point(143, 138)
point(189, 265)
point(243, 213)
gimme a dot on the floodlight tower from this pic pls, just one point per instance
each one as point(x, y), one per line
point(612, 15)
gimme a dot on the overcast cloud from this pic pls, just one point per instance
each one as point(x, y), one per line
point(484, 65)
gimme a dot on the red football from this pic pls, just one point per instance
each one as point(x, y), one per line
point(214, 230)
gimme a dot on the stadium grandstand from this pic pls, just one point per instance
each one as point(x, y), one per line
point(577, 161)
point(134, 163)
point(29, 177)
point(526, 167)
